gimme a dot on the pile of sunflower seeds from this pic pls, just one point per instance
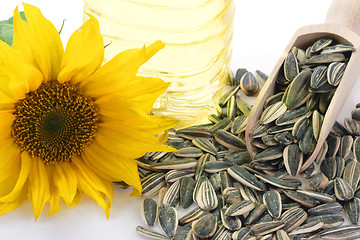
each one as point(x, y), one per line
point(290, 124)
point(232, 197)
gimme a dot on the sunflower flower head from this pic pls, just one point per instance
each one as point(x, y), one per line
point(68, 124)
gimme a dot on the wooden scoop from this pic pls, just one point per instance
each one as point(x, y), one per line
point(343, 25)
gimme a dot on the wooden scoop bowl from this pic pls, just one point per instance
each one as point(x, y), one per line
point(343, 25)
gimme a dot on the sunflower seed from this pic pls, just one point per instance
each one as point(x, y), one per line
point(237, 157)
point(261, 76)
point(206, 196)
point(242, 234)
point(217, 166)
point(168, 220)
point(215, 181)
point(318, 77)
point(328, 167)
point(221, 233)
point(205, 145)
point(303, 199)
point(174, 175)
point(335, 72)
point(281, 183)
point(214, 118)
point(317, 182)
point(351, 126)
point(352, 210)
point(149, 211)
point(249, 84)
point(278, 129)
point(187, 186)
point(189, 152)
point(272, 201)
point(269, 140)
point(152, 183)
point(292, 116)
point(273, 112)
point(172, 195)
point(226, 96)
point(284, 138)
point(266, 227)
point(223, 124)
point(351, 174)
point(200, 164)
point(269, 154)
point(330, 221)
point(329, 188)
point(239, 73)
point(307, 228)
point(293, 159)
point(247, 193)
point(243, 107)
point(184, 234)
point(231, 108)
point(293, 218)
point(313, 102)
point(297, 92)
point(176, 163)
point(281, 235)
point(343, 232)
point(229, 140)
point(194, 214)
point(345, 146)
point(232, 223)
point(338, 48)
point(330, 208)
point(273, 99)
point(299, 129)
point(291, 68)
point(232, 195)
point(245, 178)
point(320, 44)
point(343, 190)
point(317, 120)
point(238, 125)
point(355, 114)
point(205, 226)
point(148, 232)
point(239, 208)
point(255, 214)
point(324, 58)
point(307, 143)
point(322, 197)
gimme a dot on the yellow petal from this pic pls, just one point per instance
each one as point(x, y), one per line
point(100, 190)
point(9, 206)
point(24, 173)
point(6, 121)
point(114, 75)
point(84, 52)
point(54, 200)
point(39, 186)
point(39, 41)
point(10, 166)
point(112, 167)
point(65, 179)
point(76, 200)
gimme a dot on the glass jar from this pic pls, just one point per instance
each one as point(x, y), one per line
point(196, 57)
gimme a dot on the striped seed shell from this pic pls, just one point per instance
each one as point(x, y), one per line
point(346, 143)
point(205, 226)
point(277, 129)
point(174, 175)
point(324, 58)
point(217, 166)
point(322, 197)
point(255, 214)
point(149, 211)
point(272, 200)
point(175, 163)
point(292, 116)
point(231, 108)
point(328, 167)
point(351, 174)
point(261, 76)
point(297, 92)
point(152, 183)
point(270, 153)
point(293, 218)
point(247, 194)
point(148, 232)
point(355, 115)
point(280, 235)
point(317, 120)
point(232, 223)
point(215, 181)
point(223, 124)
point(330, 221)
point(168, 220)
point(338, 48)
point(318, 77)
point(242, 234)
point(301, 55)
point(249, 84)
point(264, 228)
point(273, 112)
point(343, 190)
point(205, 145)
point(340, 166)
point(313, 102)
point(269, 140)
point(281, 183)
point(172, 195)
point(229, 140)
point(291, 68)
point(222, 233)
point(308, 142)
point(194, 214)
point(237, 157)
point(239, 73)
point(238, 125)
point(184, 234)
point(226, 181)
point(335, 72)
point(317, 182)
point(232, 195)
point(300, 128)
point(200, 164)
point(307, 228)
point(284, 138)
point(194, 132)
point(273, 99)
point(351, 126)
point(352, 210)
point(293, 159)
point(356, 148)
point(342, 232)
point(206, 196)
point(244, 107)
point(240, 208)
point(339, 129)
point(226, 96)
point(333, 140)
point(300, 198)
point(187, 186)
point(320, 44)
point(244, 177)
point(326, 209)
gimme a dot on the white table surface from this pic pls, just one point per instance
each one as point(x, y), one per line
point(262, 30)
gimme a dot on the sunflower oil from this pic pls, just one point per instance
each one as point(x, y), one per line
point(196, 57)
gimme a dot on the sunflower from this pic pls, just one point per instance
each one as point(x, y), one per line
point(68, 124)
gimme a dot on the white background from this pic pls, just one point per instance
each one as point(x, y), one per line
point(262, 30)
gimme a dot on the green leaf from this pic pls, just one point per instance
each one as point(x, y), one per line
point(6, 29)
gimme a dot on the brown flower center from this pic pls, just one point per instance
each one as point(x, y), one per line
point(55, 122)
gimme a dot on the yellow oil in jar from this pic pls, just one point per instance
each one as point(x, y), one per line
point(196, 57)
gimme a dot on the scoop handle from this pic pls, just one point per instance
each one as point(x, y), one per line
point(345, 13)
